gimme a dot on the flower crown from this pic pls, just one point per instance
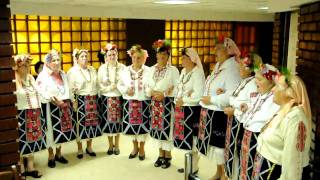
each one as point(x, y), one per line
point(51, 54)
point(22, 59)
point(220, 39)
point(77, 52)
point(283, 76)
point(137, 49)
point(162, 45)
point(251, 60)
point(108, 47)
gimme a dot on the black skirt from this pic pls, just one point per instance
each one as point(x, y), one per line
point(186, 126)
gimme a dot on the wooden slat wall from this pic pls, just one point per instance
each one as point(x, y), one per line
point(308, 65)
point(9, 146)
point(276, 39)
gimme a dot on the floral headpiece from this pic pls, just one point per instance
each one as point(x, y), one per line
point(108, 47)
point(77, 52)
point(251, 60)
point(220, 39)
point(162, 45)
point(22, 59)
point(283, 77)
point(268, 71)
point(52, 54)
point(137, 49)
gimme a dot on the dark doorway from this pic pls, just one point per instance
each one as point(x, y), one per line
point(145, 32)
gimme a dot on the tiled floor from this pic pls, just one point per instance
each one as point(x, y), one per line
point(105, 167)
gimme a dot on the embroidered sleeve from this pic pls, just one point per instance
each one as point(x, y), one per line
point(103, 86)
point(175, 80)
point(121, 85)
point(231, 82)
point(197, 81)
point(42, 88)
point(295, 137)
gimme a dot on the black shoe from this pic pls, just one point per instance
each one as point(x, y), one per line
point(90, 153)
point(51, 163)
point(181, 170)
point(34, 174)
point(166, 163)
point(116, 151)
point(131, 156)
point(61, 159)
point(80, 156)
point(159, 162)
point(141, 158)
point(110, 152)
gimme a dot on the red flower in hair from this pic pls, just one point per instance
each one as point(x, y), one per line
point(270, 74)
point(221, 38)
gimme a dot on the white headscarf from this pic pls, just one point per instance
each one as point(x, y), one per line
point(194, 57)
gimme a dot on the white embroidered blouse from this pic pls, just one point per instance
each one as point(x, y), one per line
point(287, 143)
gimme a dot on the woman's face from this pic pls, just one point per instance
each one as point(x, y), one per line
point(162, 58)
point(279, 94)
point(138, 59)
point(263, 84)
point(55, 64)
point(244, 71)
point(83, 60)
point(221, 53)
point(112, 55)
point(24, 68)
point(186, 61)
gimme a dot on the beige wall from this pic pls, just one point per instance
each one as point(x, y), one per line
point(293, 39)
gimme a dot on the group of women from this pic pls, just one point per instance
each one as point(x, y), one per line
point(248, 117)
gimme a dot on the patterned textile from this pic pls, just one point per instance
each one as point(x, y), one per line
point(32, 136)
point(185, 126)
point(111, 114)
point(161, 118)
point(136, 117)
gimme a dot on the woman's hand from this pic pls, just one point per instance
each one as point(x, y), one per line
point(243, 107)
point(206, 100)
point(219, 91)
point(57, 102)
point(229, 111)
point(130, 92)
point(159, 96)
point(179, 102)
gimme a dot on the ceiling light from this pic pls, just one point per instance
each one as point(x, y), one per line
point(176, 2)
point(263, 8)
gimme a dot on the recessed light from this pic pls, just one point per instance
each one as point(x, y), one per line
point(176, 2)
point(263, 8)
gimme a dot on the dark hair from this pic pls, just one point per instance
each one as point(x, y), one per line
point(100, 57)
point(184, 51)
point(37, 66)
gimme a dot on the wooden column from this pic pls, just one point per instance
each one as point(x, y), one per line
point(9, 146)
point(308, 66)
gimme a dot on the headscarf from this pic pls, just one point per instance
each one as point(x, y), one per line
point(296, 90)
point(194, 57)
point(52, 54)
point(230, 46)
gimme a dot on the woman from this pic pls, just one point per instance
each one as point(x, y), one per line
point(83, 84)
point(110, 96)
point(187, 109)
point(52, 85)
point(284, 142)
point(259, 112)
point(246, 89)
point(31, 124)
point(163, 79)
point(136, 113)
point(218, 88)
